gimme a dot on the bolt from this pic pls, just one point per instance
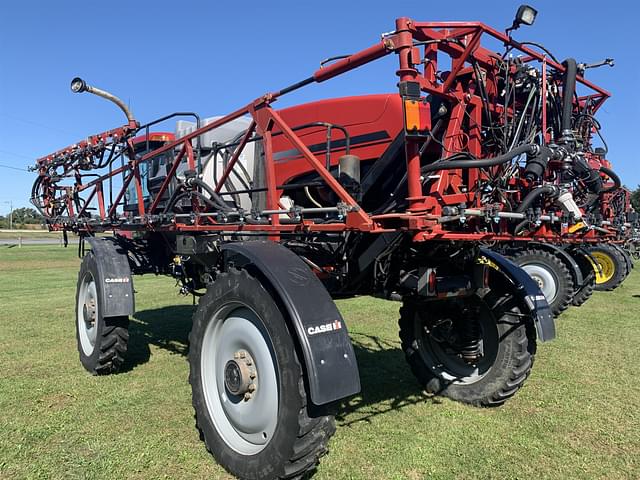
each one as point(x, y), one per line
point(236, 355)
point(247, 396)
point(252, 387)
point(243, 354)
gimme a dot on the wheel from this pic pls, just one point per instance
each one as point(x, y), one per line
point(475, 350)
point(247, 383)
point(627, 257)
point(102, 341)
point(551, 274)
point(585, 291)
point(613, 266)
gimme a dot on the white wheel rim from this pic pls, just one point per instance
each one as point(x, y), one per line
point(246, 426)
point(87, 314)
point(545, 279)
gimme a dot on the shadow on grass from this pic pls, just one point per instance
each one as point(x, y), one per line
point(386, 380)
point(387, 383)
point(167, 328)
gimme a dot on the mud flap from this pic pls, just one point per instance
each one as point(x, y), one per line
point(322, 334)
point(528, 292)
point(115, 284)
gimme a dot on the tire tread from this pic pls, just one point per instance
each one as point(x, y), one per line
point(314, 433)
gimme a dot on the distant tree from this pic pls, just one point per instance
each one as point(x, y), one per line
point(4, 222)
point(26, 216)
point(635, 199)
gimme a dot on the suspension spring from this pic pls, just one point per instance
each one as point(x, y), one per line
point(471, 344)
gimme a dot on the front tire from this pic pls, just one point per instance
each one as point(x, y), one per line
point(102, 341)
point(551, 274)
point(430, 332)
point(247, 383)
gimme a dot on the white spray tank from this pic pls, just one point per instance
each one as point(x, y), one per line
point(214, 164)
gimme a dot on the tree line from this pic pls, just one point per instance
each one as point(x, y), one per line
point(21, 217)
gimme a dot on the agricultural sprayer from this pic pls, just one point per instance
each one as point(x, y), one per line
point(419, 195)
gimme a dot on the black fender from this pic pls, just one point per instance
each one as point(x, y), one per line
point(321, 332)
point(585, 260)
point(114, 282)
point(569, 261)
point(527, 291)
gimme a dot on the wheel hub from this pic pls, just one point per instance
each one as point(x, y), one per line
point(240, 375)
point(545, 279)
point(89, 311)
point(606, 265)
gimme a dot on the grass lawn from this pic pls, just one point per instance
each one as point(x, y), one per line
point(578, 415)
point(29, 235)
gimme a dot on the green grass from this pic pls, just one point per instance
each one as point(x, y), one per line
point(29, 235)
point(578, 415)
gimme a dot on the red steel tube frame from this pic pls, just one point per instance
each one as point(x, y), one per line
point(265, 119)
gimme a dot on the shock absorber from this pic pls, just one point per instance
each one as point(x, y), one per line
point(471, 345)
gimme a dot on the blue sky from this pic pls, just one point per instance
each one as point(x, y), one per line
point(212, 57)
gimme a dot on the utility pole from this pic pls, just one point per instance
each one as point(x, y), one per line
point(10, 203)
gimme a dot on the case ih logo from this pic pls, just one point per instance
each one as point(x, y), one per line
point(117, 280)
point(327, 327)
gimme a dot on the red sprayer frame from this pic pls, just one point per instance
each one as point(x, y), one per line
point(418, 45)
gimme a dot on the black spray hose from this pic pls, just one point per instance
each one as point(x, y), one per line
point(533, 195)
point(520, 226)
point(202, 197)
point(568, 90)
point(612, 175)
point(173, 199)
point(445, 164)
point(215, 198)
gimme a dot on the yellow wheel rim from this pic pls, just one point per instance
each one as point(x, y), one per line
point(607, 267)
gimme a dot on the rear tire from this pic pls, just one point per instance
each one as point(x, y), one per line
point(509, 344)
point(102, 341)
point(272, 433)
point(551, 274)
point(613, 266)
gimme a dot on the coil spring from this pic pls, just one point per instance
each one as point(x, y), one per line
point(471, 344)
